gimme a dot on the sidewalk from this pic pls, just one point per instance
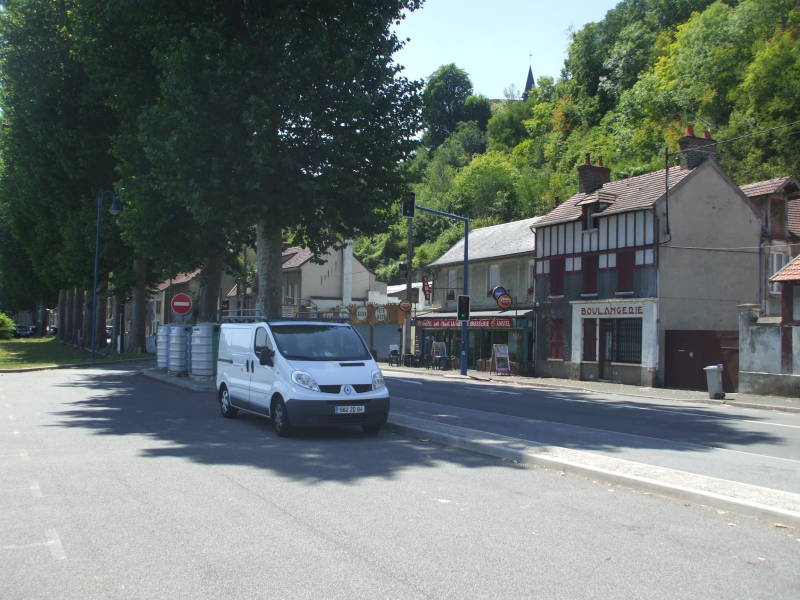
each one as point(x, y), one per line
point(777, 506)
point(617, 389)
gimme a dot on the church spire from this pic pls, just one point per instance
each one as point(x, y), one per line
point(529, 83)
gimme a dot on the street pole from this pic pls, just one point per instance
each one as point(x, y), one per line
point(464, 324)
point(96, 276)
point(113, 210)
point(409, 259)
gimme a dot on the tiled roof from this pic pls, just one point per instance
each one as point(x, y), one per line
point(632, 193)
point(492, 242)
point(762, 188)
point(294, 257)
point(791, 272)
point(179, 278)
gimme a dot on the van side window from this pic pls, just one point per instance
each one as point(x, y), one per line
point(262, 340)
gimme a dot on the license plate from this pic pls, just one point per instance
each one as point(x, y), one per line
point(349, 410)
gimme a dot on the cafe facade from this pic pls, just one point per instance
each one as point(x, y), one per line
point(499, 255)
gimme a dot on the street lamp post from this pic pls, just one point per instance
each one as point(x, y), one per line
point(113, 210)
point(464, 324)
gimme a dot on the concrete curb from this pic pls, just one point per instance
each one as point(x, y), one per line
point(743, 499)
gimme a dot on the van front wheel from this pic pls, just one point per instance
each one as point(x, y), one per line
point(280, 419)
point(225, 406)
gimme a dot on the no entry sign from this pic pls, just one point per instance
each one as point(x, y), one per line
point(181, 304)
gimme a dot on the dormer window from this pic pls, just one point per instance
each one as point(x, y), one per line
point(593, 205)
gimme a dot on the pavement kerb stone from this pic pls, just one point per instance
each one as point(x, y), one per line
point(744, 499)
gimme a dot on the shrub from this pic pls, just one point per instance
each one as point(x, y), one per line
point(6, 326)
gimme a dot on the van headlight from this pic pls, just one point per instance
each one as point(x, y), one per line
point(305, 380)
point(377, 380)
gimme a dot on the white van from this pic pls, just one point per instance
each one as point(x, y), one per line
point(306, 373)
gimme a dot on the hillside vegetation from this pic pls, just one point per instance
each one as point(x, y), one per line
point(630, 85)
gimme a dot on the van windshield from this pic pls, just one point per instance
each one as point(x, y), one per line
point(319, 342)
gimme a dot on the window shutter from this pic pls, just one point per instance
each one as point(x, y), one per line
point(625, 271)
point(590, 265)
point(557, 276)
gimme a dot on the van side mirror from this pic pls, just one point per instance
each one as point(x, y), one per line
point(265, 357)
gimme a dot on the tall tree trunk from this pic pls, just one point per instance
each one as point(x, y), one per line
point(136, 338)
point(69, 316)
point(77, 314)
point(269, 245)
point(86, 320)
point(209, 293)
point(61, 323)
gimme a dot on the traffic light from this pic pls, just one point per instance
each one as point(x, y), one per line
point(463, 308)
point(404, 269)
point(408, 205)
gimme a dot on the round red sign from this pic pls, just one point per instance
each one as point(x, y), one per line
point(405, 305)
point(505, 301)
point(181, 304)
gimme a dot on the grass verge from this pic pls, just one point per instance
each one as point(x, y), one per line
point(44, 352)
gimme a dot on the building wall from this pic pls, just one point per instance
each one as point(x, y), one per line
point(514, 276)
point(760, 360)
point(700, 289)
point(325, 281)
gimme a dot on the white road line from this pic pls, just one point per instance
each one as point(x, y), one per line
point(21, 454)
point(54, 545)
point(36, 491)
point(407, 380)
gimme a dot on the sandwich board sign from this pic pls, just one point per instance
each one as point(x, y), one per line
point(500, 358)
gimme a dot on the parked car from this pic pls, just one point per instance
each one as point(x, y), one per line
point(300, 374)
point(25, 331)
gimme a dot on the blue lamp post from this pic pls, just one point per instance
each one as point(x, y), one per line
point(113, 210)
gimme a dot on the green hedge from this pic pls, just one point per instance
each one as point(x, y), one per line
point(6, 326)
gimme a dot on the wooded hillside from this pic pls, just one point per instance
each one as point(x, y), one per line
point(630, 85)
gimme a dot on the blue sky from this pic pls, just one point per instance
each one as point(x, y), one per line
point(492, 41)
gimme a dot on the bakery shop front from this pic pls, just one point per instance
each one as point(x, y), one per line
point(513, 329)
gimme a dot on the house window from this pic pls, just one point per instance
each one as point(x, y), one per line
point(628, 336)
point(590, 339)
point(778, 260)
point(795, 302)
point(531, 276)
point(493, 278)
point(590, 265)
point(557, 339)
point(451, 284)
point(625, 271)
point(589, 221)
point(557, 276)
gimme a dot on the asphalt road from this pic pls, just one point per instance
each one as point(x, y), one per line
point(741, 444)
point(117, 486)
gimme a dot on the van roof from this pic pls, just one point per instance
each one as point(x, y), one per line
point(286, 321)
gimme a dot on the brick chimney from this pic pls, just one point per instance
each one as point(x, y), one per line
point(694, 150)
point(591, 177)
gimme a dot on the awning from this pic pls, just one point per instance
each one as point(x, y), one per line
point(511, 313)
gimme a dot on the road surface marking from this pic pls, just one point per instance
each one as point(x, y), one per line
point(53, 544)
point(21, 454)
point(407, 380)
point(36, 491)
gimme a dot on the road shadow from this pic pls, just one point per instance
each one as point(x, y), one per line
point(577, 419)
point(179, 423)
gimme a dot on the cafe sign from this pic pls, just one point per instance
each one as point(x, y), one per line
point(475, 323)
